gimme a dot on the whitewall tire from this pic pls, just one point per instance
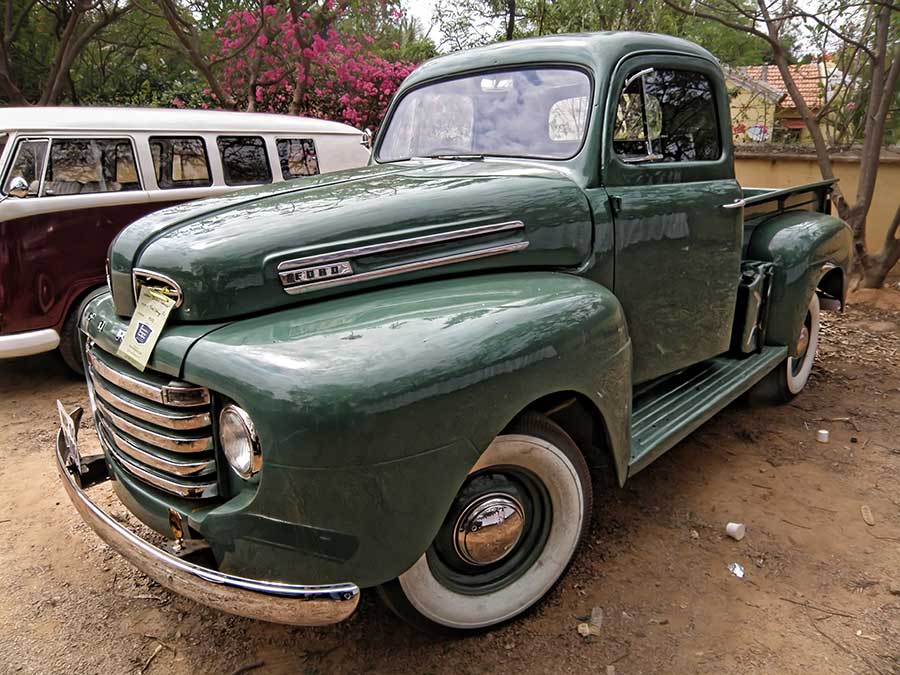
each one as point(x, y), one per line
point(509, 536)
point(792, 374)
point(797, 369)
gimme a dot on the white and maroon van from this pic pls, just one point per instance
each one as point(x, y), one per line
point(73, 177)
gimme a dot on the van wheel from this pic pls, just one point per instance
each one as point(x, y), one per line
point(71, 342)
point(790, 378)
point(509, 536)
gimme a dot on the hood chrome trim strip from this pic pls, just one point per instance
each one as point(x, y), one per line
point(398, 244)
point(408, 267)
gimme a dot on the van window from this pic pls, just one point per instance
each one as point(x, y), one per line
point(298, 157)
point(90, 166)
point(244, 160)
point(29, 164)
point(180, 162)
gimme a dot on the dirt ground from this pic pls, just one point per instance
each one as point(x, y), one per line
point(821, 591)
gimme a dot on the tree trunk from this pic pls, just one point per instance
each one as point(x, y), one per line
point(871, 269)
point(299, 98)
point(54, 82)
point(510, 19)
point(190, 45)
point(10, 90)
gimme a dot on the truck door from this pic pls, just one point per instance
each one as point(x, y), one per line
point(669, 174)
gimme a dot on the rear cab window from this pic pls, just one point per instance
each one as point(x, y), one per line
point(180, 162)
point(90, 166)
point(297, 157)
point(244, 160)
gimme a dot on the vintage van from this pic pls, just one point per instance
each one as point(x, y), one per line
point(72, 178)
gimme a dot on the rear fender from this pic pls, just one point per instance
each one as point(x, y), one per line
point(371, 409)
point(805, 246)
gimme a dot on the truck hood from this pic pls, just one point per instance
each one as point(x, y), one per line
point(257, 250)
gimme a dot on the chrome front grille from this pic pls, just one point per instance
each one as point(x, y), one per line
point(156, 429)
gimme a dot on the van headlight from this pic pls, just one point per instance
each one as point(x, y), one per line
point(239, 441)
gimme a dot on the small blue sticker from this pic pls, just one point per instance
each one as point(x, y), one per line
point(142, 333)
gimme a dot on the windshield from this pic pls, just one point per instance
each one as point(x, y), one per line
point(531, 112)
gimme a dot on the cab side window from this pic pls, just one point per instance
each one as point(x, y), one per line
point(244, 160)
point(297, 157)
point(180, 162)
point(90, 166)
point(28, 164)
point(667, 116)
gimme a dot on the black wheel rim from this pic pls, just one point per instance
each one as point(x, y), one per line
point(456, 573)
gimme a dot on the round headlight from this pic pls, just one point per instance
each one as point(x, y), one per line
point(239, 441)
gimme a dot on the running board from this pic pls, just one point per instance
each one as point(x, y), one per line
point(679, 404)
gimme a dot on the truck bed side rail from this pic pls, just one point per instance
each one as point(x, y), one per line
point(765, 202)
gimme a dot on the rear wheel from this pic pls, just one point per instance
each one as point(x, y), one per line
point(790, 378)
point(510, 534)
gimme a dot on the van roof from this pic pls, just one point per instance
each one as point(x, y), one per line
point(161, 119)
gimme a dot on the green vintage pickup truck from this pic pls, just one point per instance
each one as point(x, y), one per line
point(396, 378)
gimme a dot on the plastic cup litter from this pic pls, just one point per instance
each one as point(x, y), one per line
point(736, 530)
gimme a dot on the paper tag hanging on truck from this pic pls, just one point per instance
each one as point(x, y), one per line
point(147, 322)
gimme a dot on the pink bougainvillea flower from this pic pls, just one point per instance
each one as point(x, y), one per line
point(330, 73)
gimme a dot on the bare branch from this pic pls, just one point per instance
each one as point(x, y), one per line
point(689, 11)
point(891, 234)
point(12, 27)
point(73, 43)
point(190, 43)
point(829, 28)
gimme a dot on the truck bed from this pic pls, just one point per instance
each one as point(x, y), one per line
point(768, 201)
point(760, 204)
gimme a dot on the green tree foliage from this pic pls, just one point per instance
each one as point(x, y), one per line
point(470, 23)
point(134, 63)
point(124, 52)
point(41, 42)
point(397, 36)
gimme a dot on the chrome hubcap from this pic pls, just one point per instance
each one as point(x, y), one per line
point(803, 341)
point(489, 528)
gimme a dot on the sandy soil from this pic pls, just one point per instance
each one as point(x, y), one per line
point(820, 594)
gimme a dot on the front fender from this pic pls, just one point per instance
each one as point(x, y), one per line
point(803, 245)
point(371, 409)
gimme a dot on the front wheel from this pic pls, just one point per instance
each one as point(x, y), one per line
point(790, 378)
point(70, 339)
point(510, 534)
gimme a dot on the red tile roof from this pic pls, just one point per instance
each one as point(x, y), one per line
point(808, 77)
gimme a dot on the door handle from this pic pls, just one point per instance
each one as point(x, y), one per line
point(615, 204)
point(736, 204)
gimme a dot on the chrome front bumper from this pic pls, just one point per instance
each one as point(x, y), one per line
point(264, 600)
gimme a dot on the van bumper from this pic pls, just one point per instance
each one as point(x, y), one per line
point(292, 604)
point(28, 343)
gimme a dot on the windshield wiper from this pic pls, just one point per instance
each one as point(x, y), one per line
point(460, 157)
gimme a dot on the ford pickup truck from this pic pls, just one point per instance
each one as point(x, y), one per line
point(404, 377)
